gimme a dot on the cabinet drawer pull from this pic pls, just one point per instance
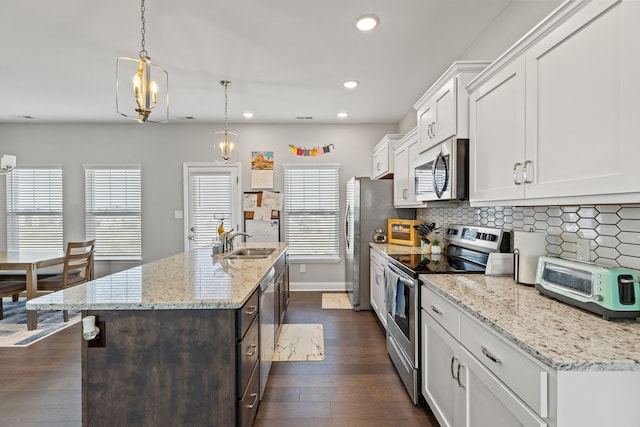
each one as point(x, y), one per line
point(458, 379)
point(515, 178)
point(490, 356)
point(250, 310)
point(404, 193)
point(453, 375)
point(252, 350)
point(525, 172)
point(436, 310)
point(255, 400)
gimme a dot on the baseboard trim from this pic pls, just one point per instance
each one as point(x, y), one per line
point(318, 286)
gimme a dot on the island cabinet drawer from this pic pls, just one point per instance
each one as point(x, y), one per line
point(248, 405)
point(248, 355)
point(443, 311)
point(247, 313)
point(525, 377)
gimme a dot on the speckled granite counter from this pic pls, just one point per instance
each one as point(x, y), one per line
point(392, 249)
point(189, 280)
point(560, 336)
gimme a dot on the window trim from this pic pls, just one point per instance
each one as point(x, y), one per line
point(308, 258)
point(104, 167)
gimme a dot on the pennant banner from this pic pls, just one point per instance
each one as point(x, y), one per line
point(315, 151)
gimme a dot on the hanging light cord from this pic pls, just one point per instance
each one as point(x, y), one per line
point(143, 52)
point(226, 84)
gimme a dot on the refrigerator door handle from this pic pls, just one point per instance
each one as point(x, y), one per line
point(346, 226)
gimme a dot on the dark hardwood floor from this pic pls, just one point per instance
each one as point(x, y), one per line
point(356, 384)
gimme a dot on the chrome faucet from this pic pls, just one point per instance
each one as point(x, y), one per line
point(228, 237)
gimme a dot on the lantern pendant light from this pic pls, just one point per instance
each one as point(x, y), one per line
point(226, 148)
point(150, 91)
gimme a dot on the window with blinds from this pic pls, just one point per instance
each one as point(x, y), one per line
point(113, 208)
point(311, 208)
point(34, 209)
point(211, 200)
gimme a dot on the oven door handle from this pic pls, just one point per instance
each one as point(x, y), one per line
point(402, 275)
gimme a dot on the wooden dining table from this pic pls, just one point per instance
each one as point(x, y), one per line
point(30, 262)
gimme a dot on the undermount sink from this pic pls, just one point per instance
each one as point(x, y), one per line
point(251, 253)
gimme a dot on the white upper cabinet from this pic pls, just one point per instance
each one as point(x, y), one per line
point(382, 166)
point(405, 152)
point(443, 111)
point(553, 119)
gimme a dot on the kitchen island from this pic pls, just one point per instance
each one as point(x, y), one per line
point(519, 356)
point(179, 341)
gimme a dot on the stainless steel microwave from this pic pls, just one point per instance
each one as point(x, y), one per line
point(442, 172)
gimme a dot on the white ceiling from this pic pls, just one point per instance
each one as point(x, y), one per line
point(285, 58)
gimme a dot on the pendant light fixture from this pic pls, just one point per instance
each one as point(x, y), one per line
point(150, 90)
point(226, 149)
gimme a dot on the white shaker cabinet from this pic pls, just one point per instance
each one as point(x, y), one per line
point(553, 119)
point(405, 152)
point(382, 154)
point(443, 111)
point(377, 293)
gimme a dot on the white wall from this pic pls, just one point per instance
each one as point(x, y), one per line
point(161, 151)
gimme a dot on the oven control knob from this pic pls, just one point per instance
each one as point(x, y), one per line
point(597, 297)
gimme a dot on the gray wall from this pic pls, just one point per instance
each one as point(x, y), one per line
point(161, 151)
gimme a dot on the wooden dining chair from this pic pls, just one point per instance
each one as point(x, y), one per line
point(11, 288)
point(78, 268)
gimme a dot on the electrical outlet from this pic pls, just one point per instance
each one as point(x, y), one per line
point(583, 250)
point(303, 268)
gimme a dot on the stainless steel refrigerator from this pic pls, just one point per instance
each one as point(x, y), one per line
point(368, 205)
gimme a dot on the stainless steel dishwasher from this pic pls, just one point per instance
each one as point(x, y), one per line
point(267, 327)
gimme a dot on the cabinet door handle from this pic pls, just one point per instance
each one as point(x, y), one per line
point(378, 166)
point(525, 171)
point(255, 400)
point(458, 376)
point(250, 310)
point(490, 356)
point(433, 129)
point(404, 193)
point(515, 177)
point(453, 375)
point(436, 310)
point(252, 350)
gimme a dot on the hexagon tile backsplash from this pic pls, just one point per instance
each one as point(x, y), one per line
point(612, 230)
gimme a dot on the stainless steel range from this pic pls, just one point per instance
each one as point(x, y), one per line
point(468, 249)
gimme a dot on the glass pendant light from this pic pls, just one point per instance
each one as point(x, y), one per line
point(226, 145)
point(144, 88)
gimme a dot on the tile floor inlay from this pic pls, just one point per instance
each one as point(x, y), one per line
point(300, 342)
point(336, 301)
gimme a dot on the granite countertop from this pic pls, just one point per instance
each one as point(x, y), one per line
point(558, 335)
point(393, 249)
point(189, 280)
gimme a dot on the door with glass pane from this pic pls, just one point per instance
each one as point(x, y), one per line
point(212, 194)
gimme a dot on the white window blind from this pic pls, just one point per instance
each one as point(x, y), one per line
point(211, 200)
point(113, 204)
point(311, 208)
point(34, 209)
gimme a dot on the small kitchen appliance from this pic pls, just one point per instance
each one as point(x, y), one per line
point(442, 172)
point(612, 292)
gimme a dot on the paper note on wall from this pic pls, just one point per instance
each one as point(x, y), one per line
point(272, 200)
point(262, 214)
point(250, 202)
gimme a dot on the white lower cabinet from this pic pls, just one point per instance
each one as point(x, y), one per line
point(460, 387)
point(441, 372)
point(377, 291)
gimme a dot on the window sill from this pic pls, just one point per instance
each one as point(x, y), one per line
point(307, 259)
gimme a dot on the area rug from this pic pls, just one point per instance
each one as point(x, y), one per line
point(300, 342)
point(13, 328)
point(336, 301)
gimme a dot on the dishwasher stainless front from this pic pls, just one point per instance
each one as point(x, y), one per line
point(267, 327)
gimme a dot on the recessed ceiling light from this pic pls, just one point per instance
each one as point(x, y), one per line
point(351, 84)
point(247, 115)
point(343, 115)
point(367, 22)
